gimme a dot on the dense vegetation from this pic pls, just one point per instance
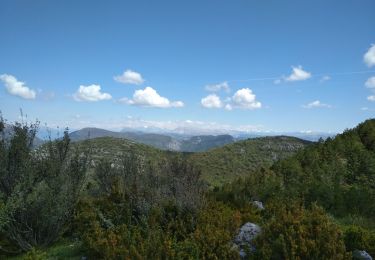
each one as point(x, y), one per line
point(39, 190)
point(129, 201)
point(225, 164)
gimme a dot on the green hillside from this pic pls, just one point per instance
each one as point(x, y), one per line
point(338, 173)
point(218, 166)
point(112, 148)
point(225, 164)
point(205, 142)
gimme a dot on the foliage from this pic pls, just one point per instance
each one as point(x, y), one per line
point(339, 174)
point(359, 238)
point(293, 232)
point(140, 213)
point(217, 226)
point(142, 203)
point(240, 159)
point(38, 188)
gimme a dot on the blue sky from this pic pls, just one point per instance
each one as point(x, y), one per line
point(245, 65)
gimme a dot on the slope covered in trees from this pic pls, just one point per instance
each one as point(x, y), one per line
point(225, 164)
point(337, 175)
point(218, 166)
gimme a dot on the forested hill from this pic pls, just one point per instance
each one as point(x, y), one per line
point(225, 164)
point(114, 149)
point(218, 166)
point(338, 173)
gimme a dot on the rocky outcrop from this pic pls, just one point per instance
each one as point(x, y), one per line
point(244, 238)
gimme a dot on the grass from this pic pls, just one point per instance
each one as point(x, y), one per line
point(64, 249)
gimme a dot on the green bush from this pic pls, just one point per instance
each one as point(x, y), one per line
point(359, 238)
point(38, 188)
point(292, 232)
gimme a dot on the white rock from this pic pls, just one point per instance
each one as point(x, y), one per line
point(245, 236)
point(361, 254)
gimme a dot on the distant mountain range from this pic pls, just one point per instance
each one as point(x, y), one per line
point(171, 141)
point(174, 141)
point(161, 141)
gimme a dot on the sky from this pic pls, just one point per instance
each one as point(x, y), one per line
point(280, 66)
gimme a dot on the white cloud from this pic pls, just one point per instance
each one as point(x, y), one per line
point(90, 93)
point(369, 57)
point(17, 88)
point(130, 77)
point(371, 98)
point(364, 108)
point(370, 83)
point(325, 78)
point(298, 74)
point(217, 87)
point(148, 97)
point(317, 104)
point(191, 127)
point(228, 107)
point(211, 101)
point(245, 99)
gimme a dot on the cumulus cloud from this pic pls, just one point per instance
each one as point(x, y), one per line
point(245, 99)
point(298, 74)
point(369, 57)
point(130, 77)
point(17, 88)
point(148, 97)
point(217, 87)
point(317, 104)
point(90, 93)
point(371, 98)
point(370, 83)
point(211, 101)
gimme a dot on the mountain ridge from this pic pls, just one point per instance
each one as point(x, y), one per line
point(163, 142)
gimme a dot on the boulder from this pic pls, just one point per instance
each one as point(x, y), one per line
point(361, 254)
point(243, 241)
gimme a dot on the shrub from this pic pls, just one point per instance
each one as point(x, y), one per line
point(359, 238)
point(292, 232)
point(38, 188)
